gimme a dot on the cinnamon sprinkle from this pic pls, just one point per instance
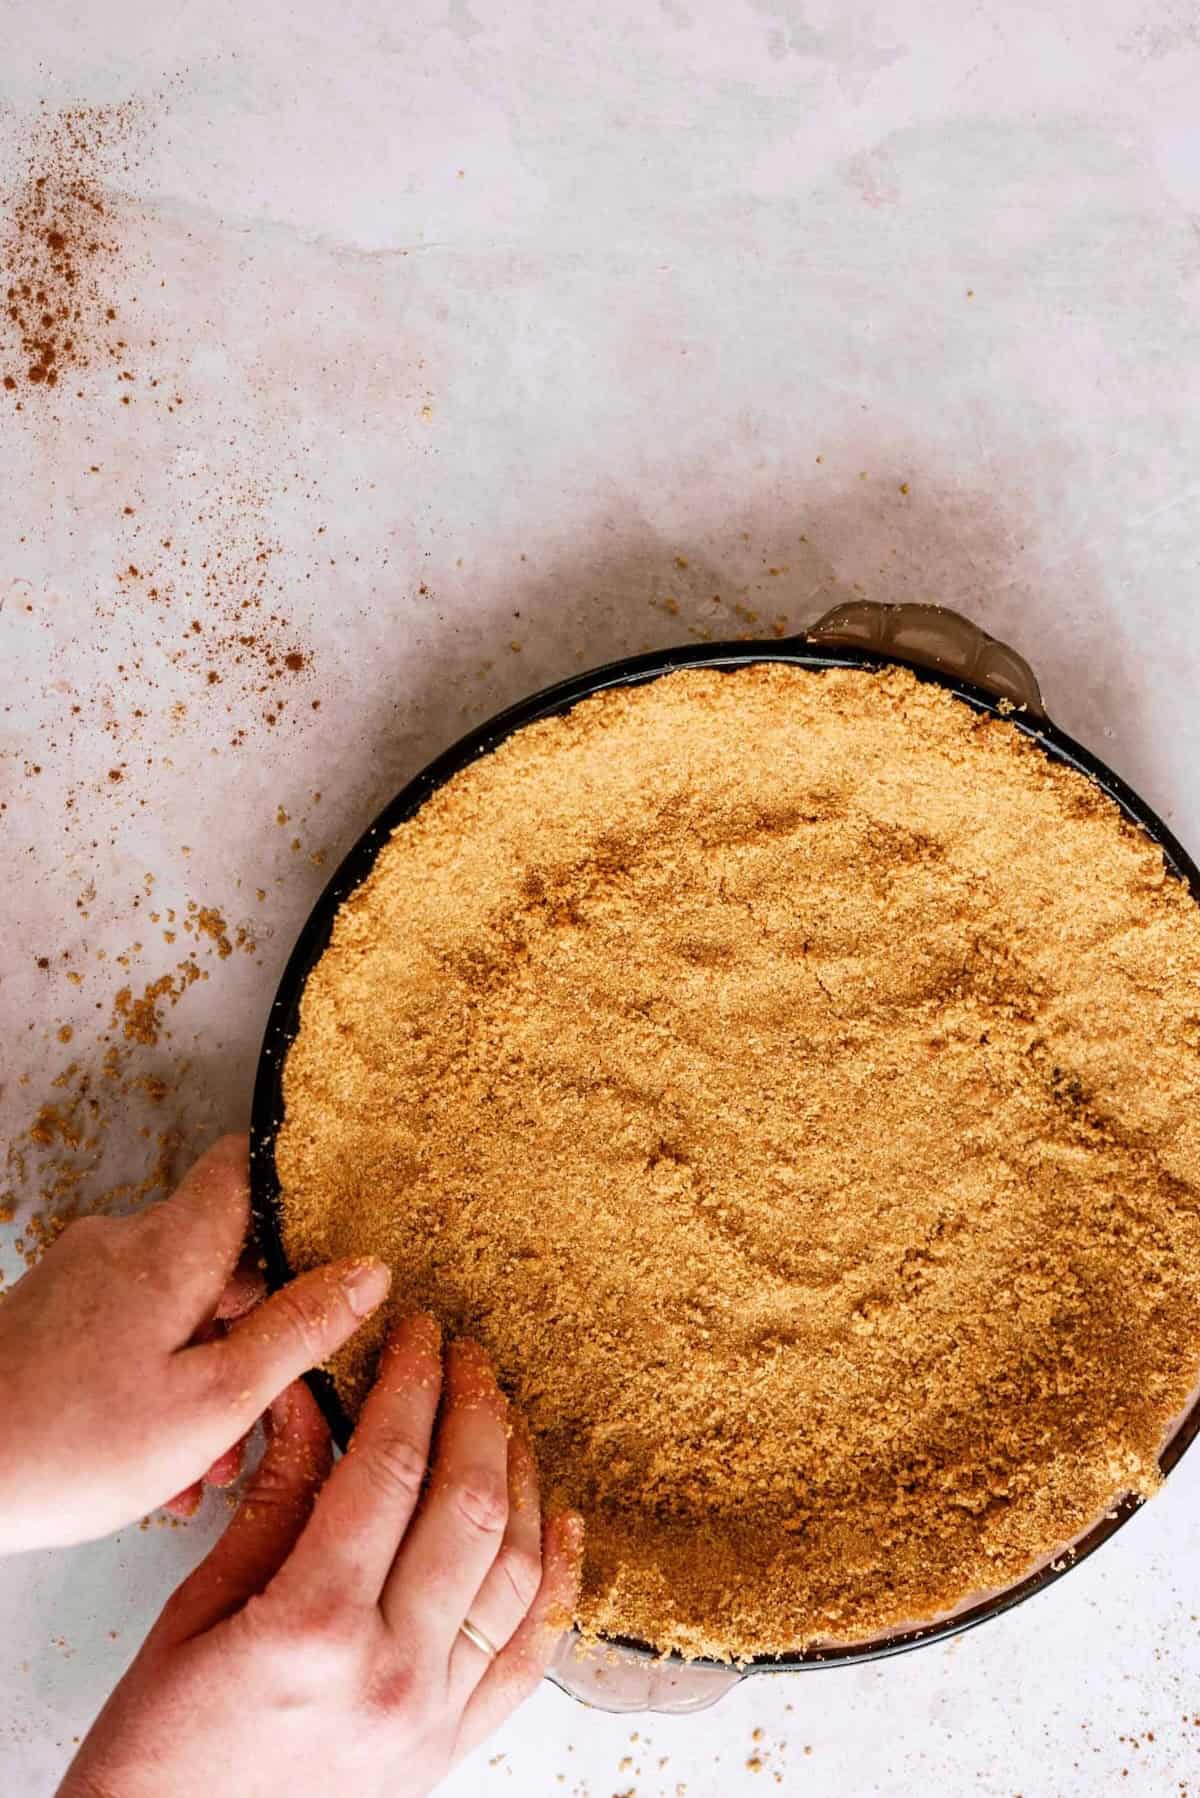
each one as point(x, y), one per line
point(60, 248)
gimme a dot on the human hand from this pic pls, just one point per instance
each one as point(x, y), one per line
point(319, 1648)
point(110, 1406)
point(244, 1289)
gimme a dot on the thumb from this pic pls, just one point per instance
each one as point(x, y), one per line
point(298, 1327)
point(274, 1509)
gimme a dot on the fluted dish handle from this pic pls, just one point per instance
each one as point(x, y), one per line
point(933, 637)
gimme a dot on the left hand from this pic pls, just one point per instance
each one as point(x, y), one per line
point(110, 1403)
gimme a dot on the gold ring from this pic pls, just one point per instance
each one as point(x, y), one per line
point(477, 1638)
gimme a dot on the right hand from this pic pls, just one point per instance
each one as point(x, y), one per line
point(319, 1647)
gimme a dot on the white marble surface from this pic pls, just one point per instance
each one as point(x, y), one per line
point(484, 318)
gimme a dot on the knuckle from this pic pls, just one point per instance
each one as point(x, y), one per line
point(297, 1319)
point(481, 1498)
point(391, 1689)
point(284, 1335)
point(521, 1568)
point(259, 1621)
point(327, 1623)
point(300, 1654)
point(224, 1379)
point(395, 1466)
point(272, 1489)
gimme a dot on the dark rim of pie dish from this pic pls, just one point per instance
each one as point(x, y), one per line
point(284, 1020)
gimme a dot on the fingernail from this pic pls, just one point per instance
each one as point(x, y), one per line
point(572, 1532)
point(424, 1331)
point(473, 1359)
point(365, 1284)
point(473, 1378)
point(186, 1503)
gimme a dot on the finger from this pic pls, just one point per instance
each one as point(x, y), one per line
point(244, 1289)
point(457, 1534)
point(371, 1496)
point(516, 1672)
point(236, 1375)
point(226, 1468)
point(185, 1504)
point(189, 1245)
point(223, 1472)
point(266, 1524)
point(511, 1584)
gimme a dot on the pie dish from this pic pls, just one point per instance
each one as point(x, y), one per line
point(859, 1204)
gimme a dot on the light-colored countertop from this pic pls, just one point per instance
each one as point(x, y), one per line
point(472, 344)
